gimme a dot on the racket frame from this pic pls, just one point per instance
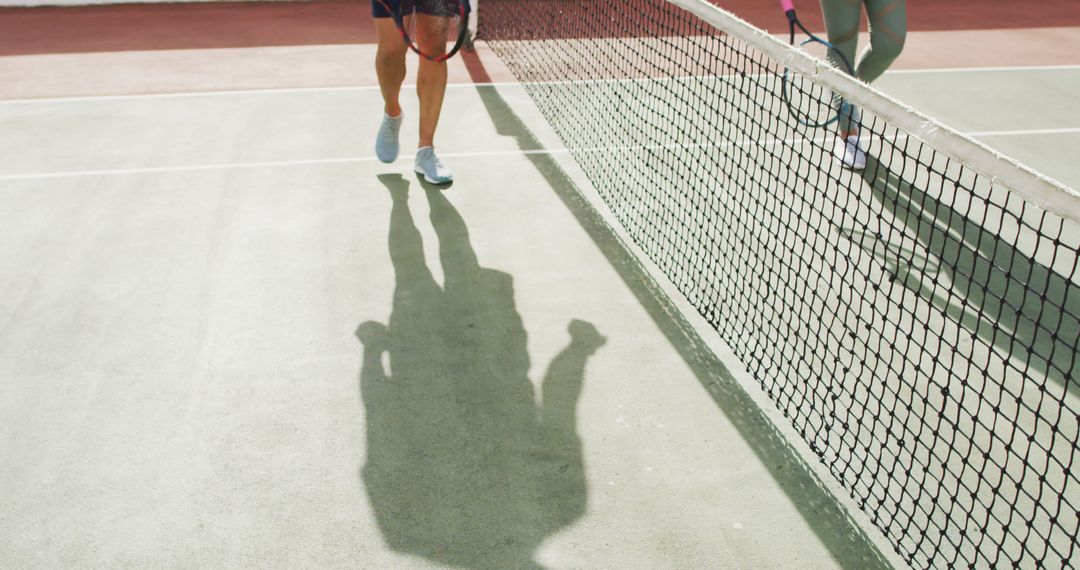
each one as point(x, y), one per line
point(793, 23)
point(399, 21)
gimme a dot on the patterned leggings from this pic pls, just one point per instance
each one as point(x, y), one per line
point(888, 29)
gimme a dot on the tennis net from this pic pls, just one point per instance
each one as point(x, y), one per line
point(917, 322)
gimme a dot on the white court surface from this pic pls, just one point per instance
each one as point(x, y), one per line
point(181, 375)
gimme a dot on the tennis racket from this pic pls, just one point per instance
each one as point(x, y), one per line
point(810, 103)
point(434, 29)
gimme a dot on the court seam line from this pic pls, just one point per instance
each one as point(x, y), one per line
point(337, 88)
point(477, 154)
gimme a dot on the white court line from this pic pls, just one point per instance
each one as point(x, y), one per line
point(269, 163)
point(189, 168)
point(348, 88)
point(361, 159)
point(987, 69)
point(476, 154)
point(340, 88)
point(1023, 132)
point(224, 92)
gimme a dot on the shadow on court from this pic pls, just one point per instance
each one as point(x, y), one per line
point(1034, 328)
point(847, 543)
point(463, 467)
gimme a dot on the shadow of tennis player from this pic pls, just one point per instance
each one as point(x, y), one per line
point(463, 467)
point(831, 523)
point(1035, 327)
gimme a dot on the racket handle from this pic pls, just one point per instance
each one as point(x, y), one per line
point(788, 6)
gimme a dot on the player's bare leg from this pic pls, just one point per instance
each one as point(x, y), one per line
point(431, 88)
point(390, 68)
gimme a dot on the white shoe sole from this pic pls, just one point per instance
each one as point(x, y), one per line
point(430, 180)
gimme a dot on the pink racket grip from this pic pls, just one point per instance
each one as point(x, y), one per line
point(787, 5)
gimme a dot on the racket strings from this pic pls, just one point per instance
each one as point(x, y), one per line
point(433, 26)
point(809, 102)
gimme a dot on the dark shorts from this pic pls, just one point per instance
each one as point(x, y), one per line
point(379, 10)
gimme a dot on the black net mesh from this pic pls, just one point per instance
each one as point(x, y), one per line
point(917, 322)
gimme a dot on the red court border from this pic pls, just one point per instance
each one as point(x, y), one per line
point(131, 27)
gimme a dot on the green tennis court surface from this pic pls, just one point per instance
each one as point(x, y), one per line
point(230, 337)
point(993, 105)
point(184, 344)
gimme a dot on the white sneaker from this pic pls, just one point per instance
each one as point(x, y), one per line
point(386, 142)
point(434, 171)
point(850, 153)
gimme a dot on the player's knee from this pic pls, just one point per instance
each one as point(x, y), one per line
point(390, 55)
point(434, 47)
point(431, 36)
point(888, 47)
point(844, 40)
